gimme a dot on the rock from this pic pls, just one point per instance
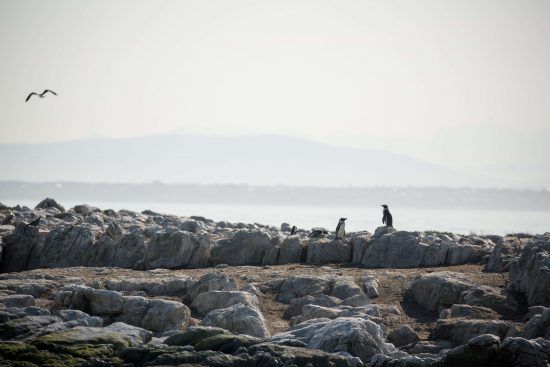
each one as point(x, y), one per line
point(18, 300)
point(343, 288)
point(215, 281)
point(177, 249)
point(239, 319)
point(295, 356)
point(250, 288)
point(83, 209)
point(227, 343)
point(296, 304)
point(48, 203)
point(247, 248)
point(538, 326)
point(359, 337)
point(357, 301)
point(17, 248)
point(165, 286)
point(293, 250)
point(193, 335)
point(212, 300)
point(530, 274)
point(325, 251)
point(469, 312)
point(460, 331)
point(479, 351)
point(505, 250)
point(162, 315)
point(401, 249)
point(118, 334)
point(35, 290)
point(310, 312)
point(359, 243)
point(66, 246)
point(300, 286)
point(70, 315)
point(490, 297)
point(403, 336)
point(521, 352)
point(25, 325)
point(371, 285)
point(114, 231)
point(435, 291)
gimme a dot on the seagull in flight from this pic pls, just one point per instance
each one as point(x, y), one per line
point(40, 95)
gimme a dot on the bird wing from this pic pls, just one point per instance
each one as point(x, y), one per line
point(30, 95)
point(51, 91)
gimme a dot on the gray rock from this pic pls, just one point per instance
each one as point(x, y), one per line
point(212, 300)
point(293, 250)
point(48, 203)
point(247, 248)
point(538, 326)
point(469, 312)
point(240, 319)
point(70, 315)
point(371, 285)
point(176, 250)
point(343, 288)
point(460, 331)
point(403, 336)
point(296, 304)
point(215, 281)
point(439, 290)
point(18, 300)
point(300, 286)
point(505, 250)
point(17, 248)
point(358, 337)
point(357, 301)
point(515, 351)
point(530, 274)
point(325, 251)
point(162, 315)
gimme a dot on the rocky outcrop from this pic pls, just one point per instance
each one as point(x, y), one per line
point(358, 337)
point(213, 300)
point(177, 250)
point(460, 331)
point(247, 248)
point(401, 249)
point(240, 319)
point(152, 314)
point(325, 251)
point(440, 290)
point(530, 274)
point(505, 251)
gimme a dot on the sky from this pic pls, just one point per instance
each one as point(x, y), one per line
point(463, 84)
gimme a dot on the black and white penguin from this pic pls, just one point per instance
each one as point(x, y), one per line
point(341, 228)
point(293, 230)
point(387, 218)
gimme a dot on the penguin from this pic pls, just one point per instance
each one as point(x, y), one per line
point(293, 230)
point(387, 218)
point(341, 228)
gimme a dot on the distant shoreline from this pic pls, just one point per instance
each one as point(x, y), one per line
point(406, 197)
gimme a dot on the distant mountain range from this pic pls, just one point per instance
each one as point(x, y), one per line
point(254, 160)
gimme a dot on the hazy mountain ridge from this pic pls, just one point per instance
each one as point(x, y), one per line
point(255, 160)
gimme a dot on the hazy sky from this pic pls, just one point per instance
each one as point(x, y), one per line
point(460, 83)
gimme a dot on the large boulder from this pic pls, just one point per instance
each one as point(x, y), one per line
point(17, 300)
point(435, 291)
point(538, 326)
point(324, 251)
point(358, 337)
point(505, 250)
point(124, 251)
point(403, 336)
point(300, 286)
point(214, 281)
point(460, 330)
point(164, 315)
point(530, 274)
point(516, 351)
point(240, 319)
point(176, 250)
point(468, 312)
point(17, 248)
point(118, 334)
point(212, 300)
point(402, 249)
point(90, 300)
point(293, 250)
point(48, 203)
point(247, 248)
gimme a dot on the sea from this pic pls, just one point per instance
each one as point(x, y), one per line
point(463, 221)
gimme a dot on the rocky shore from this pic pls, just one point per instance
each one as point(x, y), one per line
point(92, 287)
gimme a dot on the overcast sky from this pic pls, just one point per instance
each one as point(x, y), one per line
point(460, 83)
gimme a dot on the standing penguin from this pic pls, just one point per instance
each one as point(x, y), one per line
point(387, 218)
point(341, 228)
point(293, 230)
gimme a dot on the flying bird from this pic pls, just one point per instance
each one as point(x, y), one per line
point(40, 95)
